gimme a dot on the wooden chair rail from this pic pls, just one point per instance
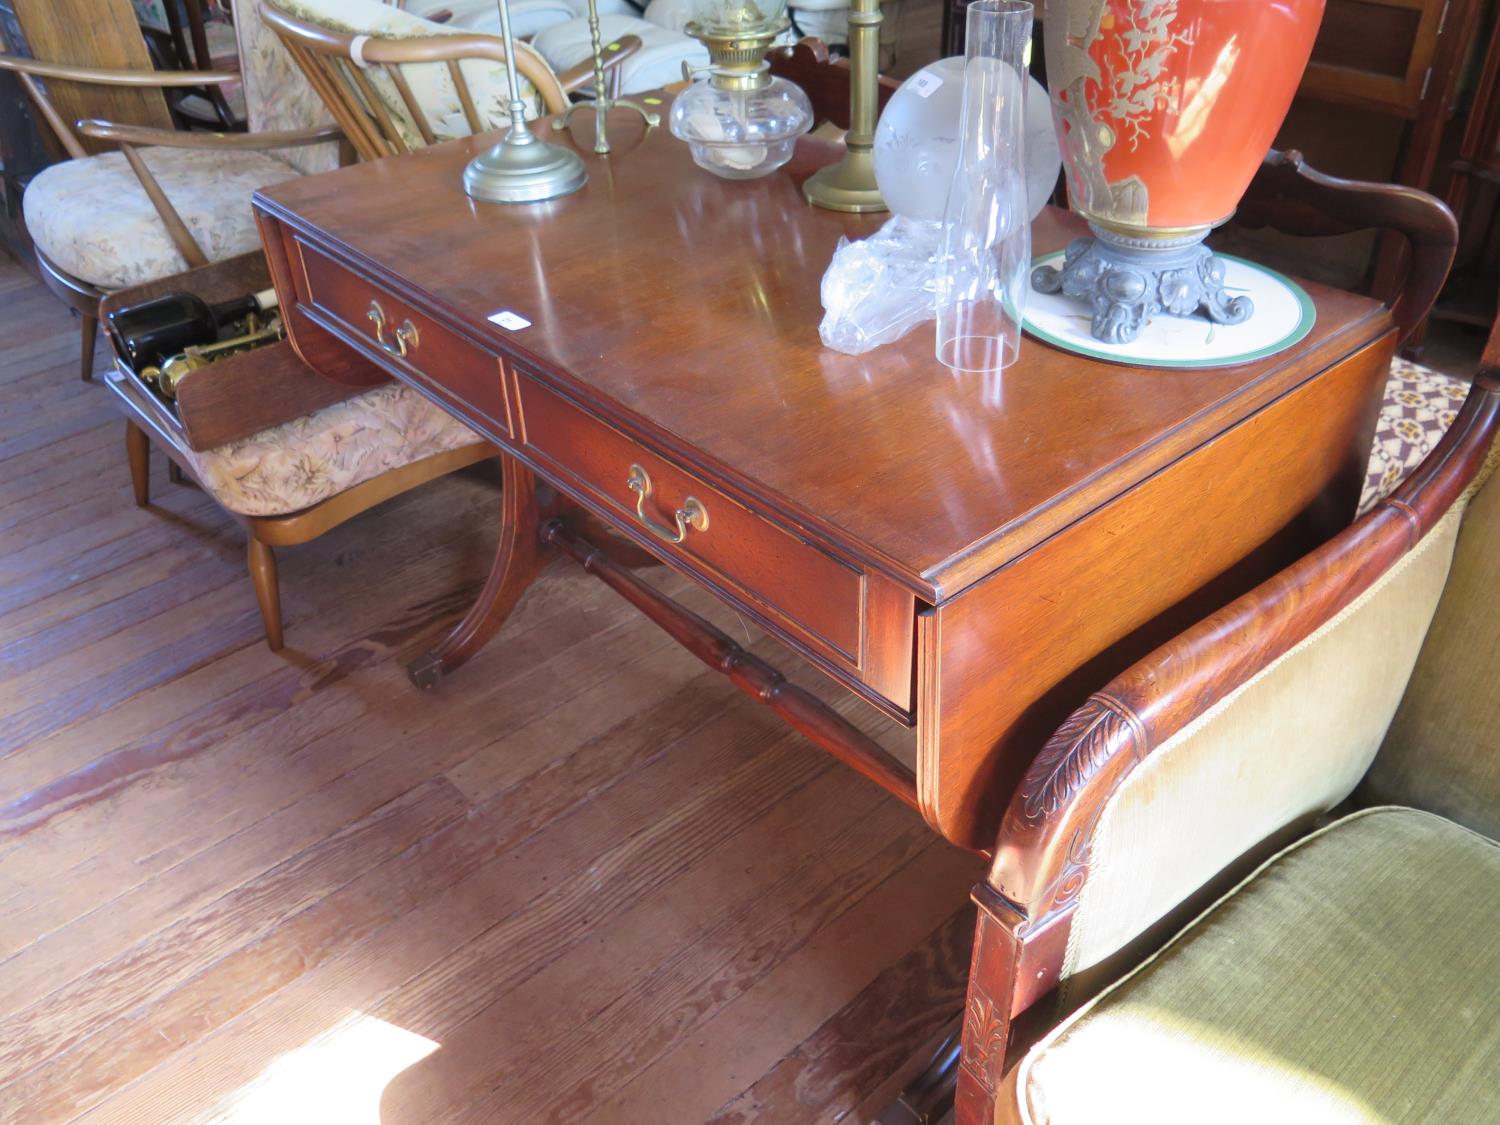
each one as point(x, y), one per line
point(1293, 198)
point(101, 77)
point(1043, 844)
point(800, 709)
point(144, 135)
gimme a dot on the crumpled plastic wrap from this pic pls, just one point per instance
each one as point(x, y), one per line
point(878, 289)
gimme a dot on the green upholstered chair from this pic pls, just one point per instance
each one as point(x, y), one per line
point(1305, 789)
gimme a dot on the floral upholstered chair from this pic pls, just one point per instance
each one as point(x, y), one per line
point(1310, 781)
point(135, 202)
point(298, 475)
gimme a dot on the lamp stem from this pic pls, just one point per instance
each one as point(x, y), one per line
point(601, 100)
point(864, 78)
point(519, 134)
point(849, 185)
point(522, 168)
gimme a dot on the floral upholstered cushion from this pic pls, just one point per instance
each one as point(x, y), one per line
point(92, 217)
point(277, 94)
point(303, 462)
point(431, 84)
point(1420, 404)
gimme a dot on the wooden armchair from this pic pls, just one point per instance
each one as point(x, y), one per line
point(288, 454)
point(1352, 976)
point(396, 82)
point(160, 202)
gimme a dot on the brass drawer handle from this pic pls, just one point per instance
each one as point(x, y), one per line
point(406, 335)
point(692, 514)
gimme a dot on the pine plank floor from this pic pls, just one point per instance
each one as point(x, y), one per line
point(584, 881)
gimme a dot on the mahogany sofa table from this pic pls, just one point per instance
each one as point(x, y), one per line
point(969, 556)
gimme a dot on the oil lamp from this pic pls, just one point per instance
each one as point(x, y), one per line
point(742, 122)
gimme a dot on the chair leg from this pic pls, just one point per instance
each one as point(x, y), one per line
point(90, 334)
point(138, 452)
point(262, 563)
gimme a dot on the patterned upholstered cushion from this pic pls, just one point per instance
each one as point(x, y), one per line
point(93, 219)
point(277, 93)
point(431, 84)
point(1355, 978)
point(1420, 405)
point(300, 463)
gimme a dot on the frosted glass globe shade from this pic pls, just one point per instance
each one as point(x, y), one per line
point(916, 142)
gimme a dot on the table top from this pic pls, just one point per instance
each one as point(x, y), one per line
point(686, 308)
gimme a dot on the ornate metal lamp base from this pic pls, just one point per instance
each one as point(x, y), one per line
point(1128, 279)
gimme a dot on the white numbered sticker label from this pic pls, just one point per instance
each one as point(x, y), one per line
point(507, 319)
point(925, 85)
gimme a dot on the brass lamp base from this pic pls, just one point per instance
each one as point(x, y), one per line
point(529, 171)
point(848, 185)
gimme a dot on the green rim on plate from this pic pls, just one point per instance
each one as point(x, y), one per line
point(1308, 317)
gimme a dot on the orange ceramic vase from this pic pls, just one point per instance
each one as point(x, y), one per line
point(1165, 108)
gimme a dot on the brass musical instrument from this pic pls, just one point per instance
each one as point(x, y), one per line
point(174, 369)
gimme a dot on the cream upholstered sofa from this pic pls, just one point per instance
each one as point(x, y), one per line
point(1350, 706)
point(664, 47)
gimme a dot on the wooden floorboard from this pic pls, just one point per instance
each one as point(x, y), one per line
point(585, 880)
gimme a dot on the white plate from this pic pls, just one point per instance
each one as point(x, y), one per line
point(1283, 315)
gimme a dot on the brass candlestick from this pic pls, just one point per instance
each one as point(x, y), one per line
point(603, 103)
point(849, 185)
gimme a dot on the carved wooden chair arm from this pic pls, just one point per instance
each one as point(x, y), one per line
point(145, 135)
point(615, 52)
point(1291, 197)
point(1043, 847)
point(101, 77)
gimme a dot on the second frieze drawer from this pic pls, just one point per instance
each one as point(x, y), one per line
point(802, 587)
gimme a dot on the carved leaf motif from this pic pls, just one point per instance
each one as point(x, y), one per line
point(984, 1037)
point(1072, 755)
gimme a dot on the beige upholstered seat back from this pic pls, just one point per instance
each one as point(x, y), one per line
point(277, 93)
point(1290, 743)
point(1443, 750)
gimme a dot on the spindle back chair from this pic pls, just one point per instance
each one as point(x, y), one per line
point(373, 84)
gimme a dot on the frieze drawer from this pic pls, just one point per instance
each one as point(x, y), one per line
point(404, 341)
point(801, 588)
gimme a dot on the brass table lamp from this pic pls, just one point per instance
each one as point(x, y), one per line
point(521, 168)
point(849, 185)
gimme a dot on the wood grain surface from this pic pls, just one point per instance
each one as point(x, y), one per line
point(684, 308)
point(596, 885)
